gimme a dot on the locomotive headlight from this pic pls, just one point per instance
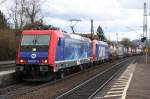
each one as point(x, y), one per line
point(45, 61)
point(21, 61)
point(34, 49)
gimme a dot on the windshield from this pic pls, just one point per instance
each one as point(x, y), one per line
point(35, 40)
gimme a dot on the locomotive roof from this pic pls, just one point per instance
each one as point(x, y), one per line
point(30, 32)
point(58, 32)
point(104, 43)
point(75, 36)
point(101, 42)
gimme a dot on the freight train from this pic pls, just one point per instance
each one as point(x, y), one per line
point(47, 54)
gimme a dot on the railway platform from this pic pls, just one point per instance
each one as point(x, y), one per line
point(7, 73)
point(140, 84)
point(7, 78)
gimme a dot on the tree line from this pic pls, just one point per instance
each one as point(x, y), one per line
point(23, 13)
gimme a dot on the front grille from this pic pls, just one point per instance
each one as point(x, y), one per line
point(31, 68)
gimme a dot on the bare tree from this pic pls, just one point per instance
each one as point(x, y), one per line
point(3, 21)
point(2, 1)
point(32, 10)
point(24, 12)
point(17, 14)
point(13, 14)
point(126, 42)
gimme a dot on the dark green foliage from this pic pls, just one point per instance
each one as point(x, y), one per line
point(3, 21)
point(100, 34)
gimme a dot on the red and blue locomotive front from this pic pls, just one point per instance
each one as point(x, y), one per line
point(34, 49)
point(32, 56)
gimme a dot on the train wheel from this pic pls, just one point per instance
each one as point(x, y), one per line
point(62, 74)
point(55, 77)
point(81, 67)
point(90, 64)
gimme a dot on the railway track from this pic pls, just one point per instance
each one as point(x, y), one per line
point(16, 90)
point(89, 88)
point(24, 89)
point(11, 92)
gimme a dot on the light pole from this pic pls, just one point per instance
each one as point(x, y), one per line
point(117, 37)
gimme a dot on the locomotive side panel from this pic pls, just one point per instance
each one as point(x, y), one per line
point(76, 50)
point(120, 51)
point(102, 51)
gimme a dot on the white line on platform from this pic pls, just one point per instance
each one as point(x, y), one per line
point(127, 86)
point(123, 80)
point(118, 85)
point(125, 77)
point(7, 72)
point(116, 95)
point(109, 92)
point(116, 88)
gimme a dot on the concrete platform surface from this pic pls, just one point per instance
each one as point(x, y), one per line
point(7, 78)
point(7, 62)
point(140, 84)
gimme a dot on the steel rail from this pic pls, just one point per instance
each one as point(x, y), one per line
point(87, 81)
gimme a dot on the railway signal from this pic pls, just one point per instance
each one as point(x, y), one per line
point(143, 39)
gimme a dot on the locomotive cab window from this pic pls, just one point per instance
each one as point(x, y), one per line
point(35, 40)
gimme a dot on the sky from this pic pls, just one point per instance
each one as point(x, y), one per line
point(122, 17)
